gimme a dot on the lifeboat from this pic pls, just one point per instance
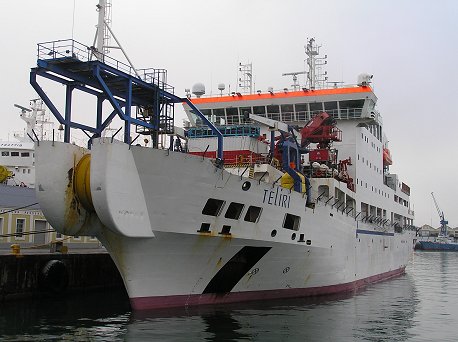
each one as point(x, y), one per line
point(387, 157)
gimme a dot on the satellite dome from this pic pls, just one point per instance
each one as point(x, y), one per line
point(198, 89)
point(221, 86)
point(364, 79)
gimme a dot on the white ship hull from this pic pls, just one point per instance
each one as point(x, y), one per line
point(148, 214)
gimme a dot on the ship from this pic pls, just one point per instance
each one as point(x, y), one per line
point(17, 166)
point(443, 242)
point(260, 195)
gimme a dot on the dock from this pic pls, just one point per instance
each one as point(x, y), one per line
point(41, 273)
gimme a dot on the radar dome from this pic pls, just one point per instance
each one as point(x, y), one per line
point(198, 89)
point(221, 86)
point(364, 79)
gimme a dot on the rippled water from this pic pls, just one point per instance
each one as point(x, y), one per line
point(420, 306)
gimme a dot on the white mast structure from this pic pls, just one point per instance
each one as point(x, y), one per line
point(245, 80)
point(36, 120)
point(103, 34)
point(315, 77)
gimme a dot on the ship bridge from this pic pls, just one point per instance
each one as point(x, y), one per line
point(292, 107)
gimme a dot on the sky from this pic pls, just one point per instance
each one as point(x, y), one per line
point(410, 46)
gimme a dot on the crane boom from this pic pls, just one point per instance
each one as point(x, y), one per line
point(443, 222)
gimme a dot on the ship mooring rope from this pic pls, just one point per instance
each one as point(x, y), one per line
point(11, 210)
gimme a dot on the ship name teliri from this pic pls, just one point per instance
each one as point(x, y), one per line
point(274, 198)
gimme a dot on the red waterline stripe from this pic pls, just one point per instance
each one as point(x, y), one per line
point(144, 303)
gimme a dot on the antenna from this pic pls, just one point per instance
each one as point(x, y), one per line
point(22, 108)
point(245, 80)
point(315, 77)
point(295, 84)
point(103, 35)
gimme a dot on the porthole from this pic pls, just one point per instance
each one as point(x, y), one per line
point(273, 233)
point(246, 185)
point(293, 236)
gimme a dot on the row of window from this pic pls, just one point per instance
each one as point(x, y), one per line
point(374, 146)
point(376, 131)
point(374, 189)
point(399, 200)
point(376, 169)
point(214, 206)
point(286, 112)
point(15, 154)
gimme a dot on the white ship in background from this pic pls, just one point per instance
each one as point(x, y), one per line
point(271, 195)
point(17, 157)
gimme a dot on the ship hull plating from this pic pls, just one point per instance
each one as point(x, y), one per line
point(148, 211)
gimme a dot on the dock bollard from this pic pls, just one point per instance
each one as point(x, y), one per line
point(15, 249)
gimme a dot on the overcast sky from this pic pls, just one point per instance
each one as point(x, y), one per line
point(410, 46)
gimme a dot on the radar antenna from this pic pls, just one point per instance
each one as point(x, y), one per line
point(295, 84)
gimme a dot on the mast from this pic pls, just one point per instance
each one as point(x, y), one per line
point(315, 77)
point(101, 26)
point(104, 33)
point(245, 80)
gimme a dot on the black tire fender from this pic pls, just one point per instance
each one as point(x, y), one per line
point(54, 276)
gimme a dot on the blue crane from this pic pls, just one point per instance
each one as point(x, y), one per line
point(443, 221)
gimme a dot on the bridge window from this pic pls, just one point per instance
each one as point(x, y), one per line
point(301, 111)
point(14, 154)
point(244, 114)
point(25, 154)
point(234, 210)
point(5, 153)
point(207, 113)
point(219, 117)
point(351, 108)
point(213, 207)
point(252, 214)
point(287, 112)
point(331, 109)
point(291, 222)
point(232, 116)
point(259, 110)
point(316, 107)
point(273, 112)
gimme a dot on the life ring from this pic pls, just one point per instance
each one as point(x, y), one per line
point(54, 276)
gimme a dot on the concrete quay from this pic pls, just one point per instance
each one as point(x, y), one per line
point(40, 273)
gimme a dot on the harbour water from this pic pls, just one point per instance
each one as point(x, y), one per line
point(419, 306)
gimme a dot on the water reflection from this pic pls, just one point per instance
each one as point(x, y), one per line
point(383, 312)
point(397, 310)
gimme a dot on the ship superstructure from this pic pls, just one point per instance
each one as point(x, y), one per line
point(17, 157)
point(265, 195)
point(358, 157)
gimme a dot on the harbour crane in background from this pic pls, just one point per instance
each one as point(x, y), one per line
point(443, 222)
